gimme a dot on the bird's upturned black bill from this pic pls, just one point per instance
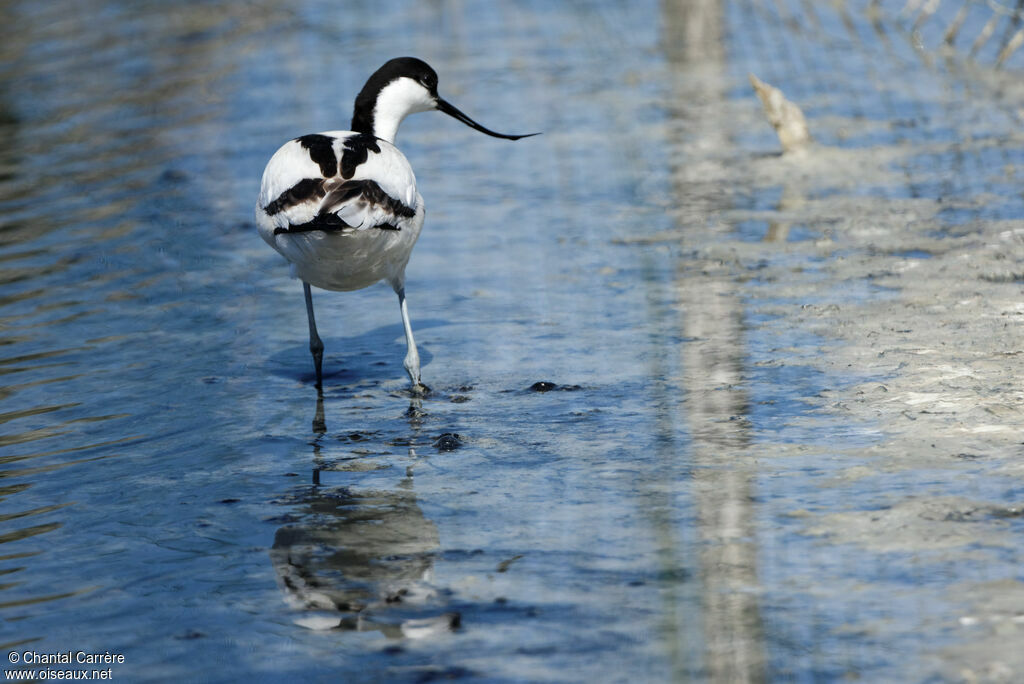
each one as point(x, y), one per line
point(452, 111)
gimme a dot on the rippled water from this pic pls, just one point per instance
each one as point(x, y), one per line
point(174, 491)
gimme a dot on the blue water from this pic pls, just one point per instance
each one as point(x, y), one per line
point(174, 491)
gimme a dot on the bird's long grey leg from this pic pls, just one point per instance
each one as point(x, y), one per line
point(412, 355)
point(316, 345)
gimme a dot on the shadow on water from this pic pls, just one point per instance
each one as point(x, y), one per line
point(354, 558)
point(372, 357)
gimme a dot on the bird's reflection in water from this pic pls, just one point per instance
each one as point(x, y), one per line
point(360, 559)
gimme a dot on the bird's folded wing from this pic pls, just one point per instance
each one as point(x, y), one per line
point(336, 205)
point(363, 204)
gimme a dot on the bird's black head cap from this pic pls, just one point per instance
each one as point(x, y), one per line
point(393, 69)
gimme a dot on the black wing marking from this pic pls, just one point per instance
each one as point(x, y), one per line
point(305, 190)
point(321, 151)
point(325, 222)
point(357, 151)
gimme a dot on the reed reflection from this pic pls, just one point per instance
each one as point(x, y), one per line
point(359, 559)
point(708, 295)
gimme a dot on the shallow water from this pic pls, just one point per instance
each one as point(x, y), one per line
point(174, 491)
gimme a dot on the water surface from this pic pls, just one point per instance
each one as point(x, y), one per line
point(174, 491)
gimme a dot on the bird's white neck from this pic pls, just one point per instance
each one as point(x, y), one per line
point(394, 102)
